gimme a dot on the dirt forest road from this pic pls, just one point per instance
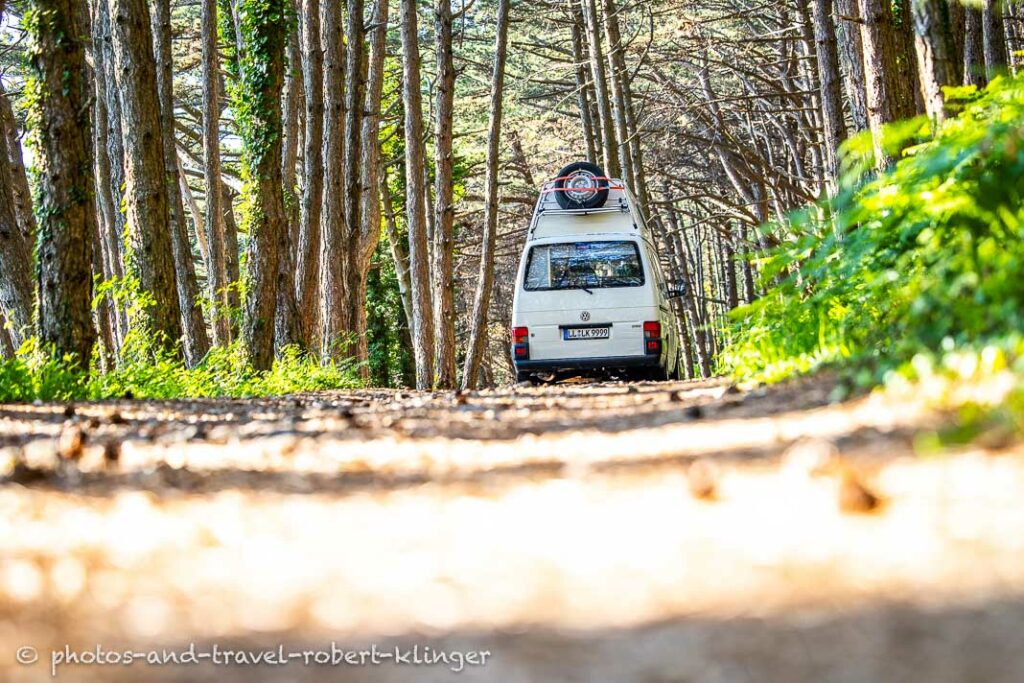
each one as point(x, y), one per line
point(654, 533)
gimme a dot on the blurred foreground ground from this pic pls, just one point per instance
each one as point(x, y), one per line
point(653, 533)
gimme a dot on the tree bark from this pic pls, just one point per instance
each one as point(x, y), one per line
point(60, 115)
point(879, 72)
point(149, 230)
point(307, 282)
point(422, 322)
point(20, 191)
point(217, 268)
point(444, 207)
point(994, 38)
point(197, 342)
point(609, 144)
point(261, 86)
point(286, 325)
point(104, 54)
point(369, 231)
point(617, 78)
point(852, 52)
point(934, 46)
point(350, 255)
point(334, 231)
point(974, 48)
point(485, 279)
point(830, 81)
point(583, 85)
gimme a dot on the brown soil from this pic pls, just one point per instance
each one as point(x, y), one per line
point(583, 532)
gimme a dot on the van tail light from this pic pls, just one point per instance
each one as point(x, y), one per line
point(520, 343)
point(652, 338)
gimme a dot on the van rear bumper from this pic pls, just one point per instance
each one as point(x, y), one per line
point(550, 365)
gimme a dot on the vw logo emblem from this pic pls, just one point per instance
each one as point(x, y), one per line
point(585, 316)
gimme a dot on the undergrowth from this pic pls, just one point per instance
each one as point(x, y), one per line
point(910, 263)
point(146, 371)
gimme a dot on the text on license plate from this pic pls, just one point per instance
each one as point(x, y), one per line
point(571, 333)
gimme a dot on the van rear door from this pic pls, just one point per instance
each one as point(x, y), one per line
point(585, 299)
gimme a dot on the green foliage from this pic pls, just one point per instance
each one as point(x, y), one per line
point(930, 250)
point(148, 371)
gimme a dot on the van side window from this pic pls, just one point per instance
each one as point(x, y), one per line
point(575, 265)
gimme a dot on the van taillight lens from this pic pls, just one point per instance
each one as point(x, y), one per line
point(652, 338)
point(520, 343)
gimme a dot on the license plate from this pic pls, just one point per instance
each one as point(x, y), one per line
point(572, 333)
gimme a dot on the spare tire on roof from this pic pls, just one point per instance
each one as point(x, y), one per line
point(581, 185)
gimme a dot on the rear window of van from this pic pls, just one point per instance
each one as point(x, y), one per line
point(590, 265)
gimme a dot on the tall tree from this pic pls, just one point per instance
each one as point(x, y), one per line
point(584, 92)
point(879, 71)
point(197, 343)
point(217, 269)
point(259, 114)
point(20, 191)
point(974, 48)
point(994, 36)
point(149, 226)
point(286, 325)
point(830, 81)
point(617, 77)
point(444, 207)
point(852, 61)
point(934, 46)
point(60, 119)
point(485, 280)
point(609, 143)
point(415, 210)
point(369, 231)
point(335, 231)
point(307, 280)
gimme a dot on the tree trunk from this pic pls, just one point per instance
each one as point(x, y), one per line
point(286, 324)
point(879, 71)
point(583, 86)
point(355, 102)
point(261, 85)
point(197, 343)
point(444, 208)
point(994, 38)
point(369, 231)
point(145, 181)
point(15, 265)
point(104, 53)
point(231, 251)
point(934, 46)
point(609, 145)
point(416, 220)
point(20, 191)
point(217, 269)
point(60, 116)
point(399, 250)
point(974, 48)
point(307, 282)
point(617, 77)
point(831, 88)
point(335, 232)
point(482, 300)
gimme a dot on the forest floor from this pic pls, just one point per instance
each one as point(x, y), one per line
point(585, 532)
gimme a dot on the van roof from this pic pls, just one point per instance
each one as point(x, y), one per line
point(618, 215)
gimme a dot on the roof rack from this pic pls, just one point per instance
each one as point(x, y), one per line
point(621, 207)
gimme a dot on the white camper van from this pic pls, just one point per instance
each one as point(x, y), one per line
point(590, 295)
